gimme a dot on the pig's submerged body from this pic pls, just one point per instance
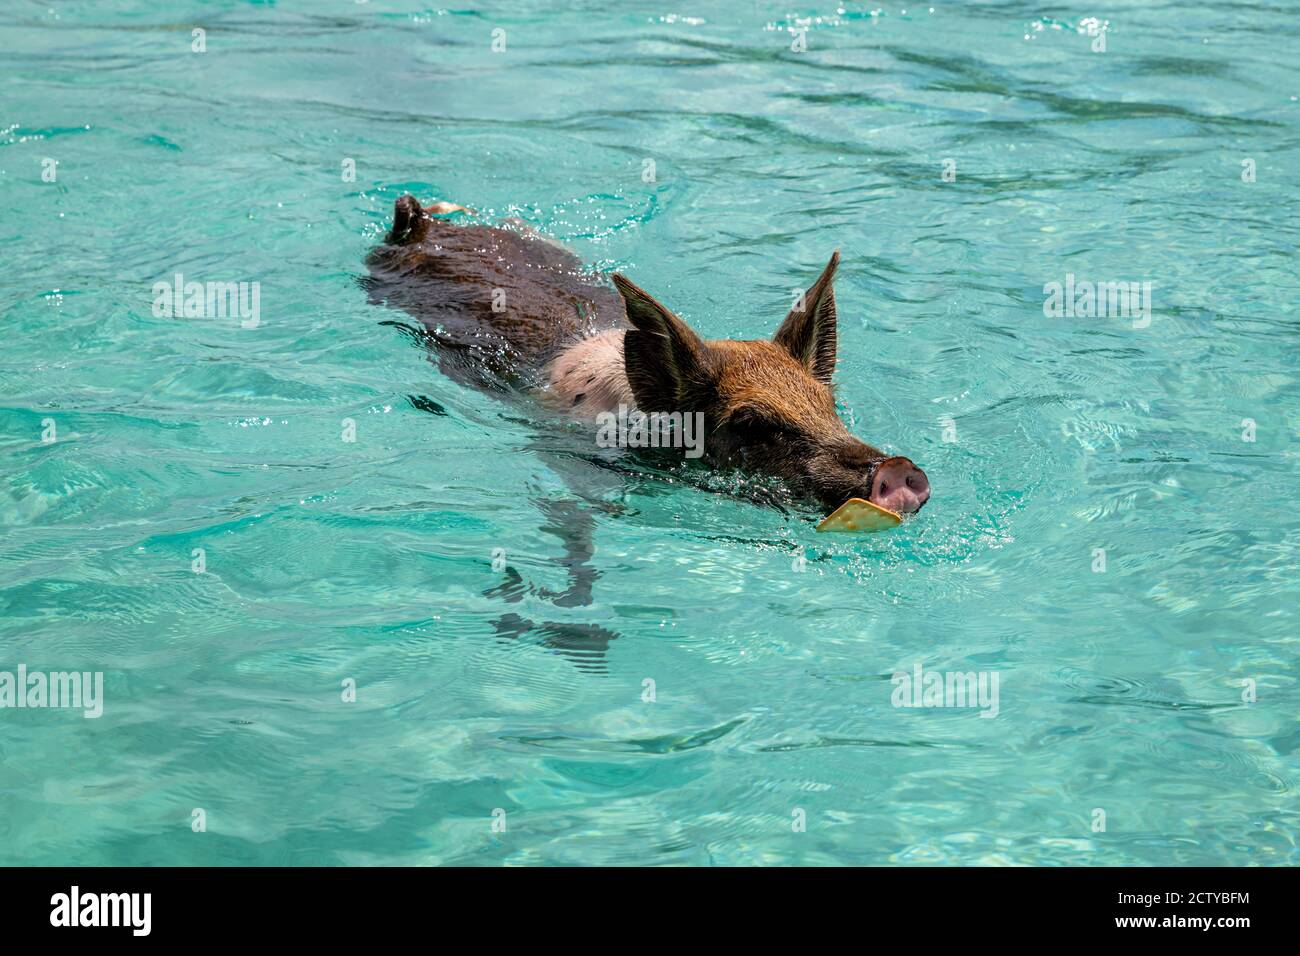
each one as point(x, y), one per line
point(498, 303)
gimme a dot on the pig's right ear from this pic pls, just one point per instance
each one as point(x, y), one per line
point(808, 332)
point(661, 353)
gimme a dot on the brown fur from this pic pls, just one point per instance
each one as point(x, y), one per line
point(763, 378)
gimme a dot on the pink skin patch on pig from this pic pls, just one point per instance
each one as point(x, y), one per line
point(899, 486)
point(589, 378)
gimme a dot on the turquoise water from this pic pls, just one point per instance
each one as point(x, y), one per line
point(437, 560)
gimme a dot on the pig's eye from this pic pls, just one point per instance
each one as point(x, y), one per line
point(756, 428)
point(884, 486)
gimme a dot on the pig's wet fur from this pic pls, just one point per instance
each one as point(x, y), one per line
point(507, 308)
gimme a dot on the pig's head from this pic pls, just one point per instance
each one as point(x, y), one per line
point(768, 406)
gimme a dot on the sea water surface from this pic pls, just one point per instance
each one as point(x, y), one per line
point(397, 650)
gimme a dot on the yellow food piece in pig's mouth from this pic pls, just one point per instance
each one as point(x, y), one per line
point(858, 515)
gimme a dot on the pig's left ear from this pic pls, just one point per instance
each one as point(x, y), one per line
point(808, 332)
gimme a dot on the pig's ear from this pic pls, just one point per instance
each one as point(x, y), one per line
point(808, 332)
point(661, 353)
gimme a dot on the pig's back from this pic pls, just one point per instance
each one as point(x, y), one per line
point(502, 298)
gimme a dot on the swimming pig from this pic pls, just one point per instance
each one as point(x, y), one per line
point(507, 307)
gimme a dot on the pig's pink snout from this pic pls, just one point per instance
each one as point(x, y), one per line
point(899, 486)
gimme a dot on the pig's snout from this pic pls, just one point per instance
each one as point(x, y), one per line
point(899, 486)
